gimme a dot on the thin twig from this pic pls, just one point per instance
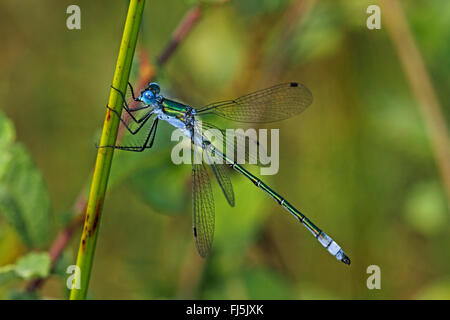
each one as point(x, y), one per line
point(189, 20)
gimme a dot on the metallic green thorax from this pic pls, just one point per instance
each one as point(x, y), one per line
point(175, 109)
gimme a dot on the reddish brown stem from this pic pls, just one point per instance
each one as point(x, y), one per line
point(189, 20)
point(60, 243)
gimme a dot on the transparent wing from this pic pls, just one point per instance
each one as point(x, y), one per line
point(219, 171)
point(268, 105)
point(203, 208)
point(237, 145)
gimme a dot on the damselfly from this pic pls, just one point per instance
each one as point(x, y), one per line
point(272, 104)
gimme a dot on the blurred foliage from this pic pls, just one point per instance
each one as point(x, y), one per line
point(439, 290)
point(425, 209)
point(24, 201)
point(358, 162)
point(31, 266)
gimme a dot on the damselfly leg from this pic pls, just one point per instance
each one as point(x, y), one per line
point(148, 143)
point(142, 121)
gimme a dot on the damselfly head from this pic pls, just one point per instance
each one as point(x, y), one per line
point(150, 94)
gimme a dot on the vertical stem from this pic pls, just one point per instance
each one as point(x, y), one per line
point(421, 86)
point(105, 155)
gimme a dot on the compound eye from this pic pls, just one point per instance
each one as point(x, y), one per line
point(154, 87)
point(149, 95)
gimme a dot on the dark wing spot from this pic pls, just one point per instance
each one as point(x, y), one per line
point(294, 84)
point(195, 232)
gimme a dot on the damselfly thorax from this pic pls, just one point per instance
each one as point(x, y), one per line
point(177, 114)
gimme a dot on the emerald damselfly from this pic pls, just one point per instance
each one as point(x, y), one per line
point(268, 105)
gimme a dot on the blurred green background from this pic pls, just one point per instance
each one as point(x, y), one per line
point(358, 162)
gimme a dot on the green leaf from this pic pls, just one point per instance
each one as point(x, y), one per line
point(30, 266)
point(12, 215)
point(24, 199)
point(7, 135)
point(7, 274)
point(7, 132)
point(33, 265)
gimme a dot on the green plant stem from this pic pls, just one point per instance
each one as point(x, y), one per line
point(105, 155)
